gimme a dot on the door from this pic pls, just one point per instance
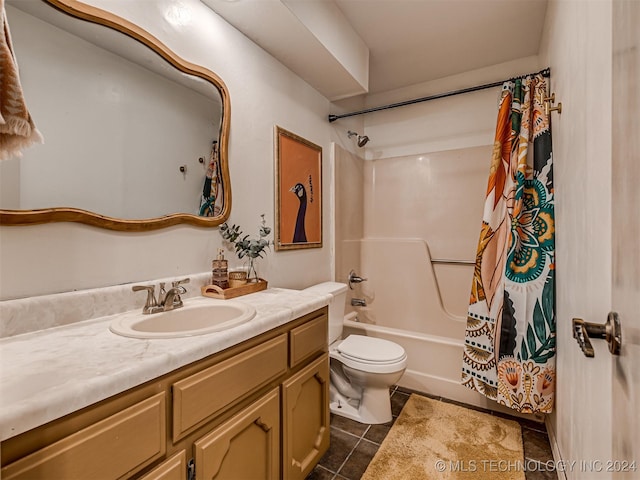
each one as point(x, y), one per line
point(626, 237)
point(247, 446)
point(305, 419)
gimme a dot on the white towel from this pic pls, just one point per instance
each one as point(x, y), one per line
point(17, 129)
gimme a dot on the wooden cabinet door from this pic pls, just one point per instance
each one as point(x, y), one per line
point(174, 468)
point(247, 446)
point(305, 418)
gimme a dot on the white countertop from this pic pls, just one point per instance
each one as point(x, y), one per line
point(50, 373)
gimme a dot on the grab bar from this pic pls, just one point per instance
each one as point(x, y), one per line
point(453, 262)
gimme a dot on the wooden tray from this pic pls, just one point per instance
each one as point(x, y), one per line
point(226, 293)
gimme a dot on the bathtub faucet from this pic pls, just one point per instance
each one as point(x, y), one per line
point(355, 278)
point(358, 302)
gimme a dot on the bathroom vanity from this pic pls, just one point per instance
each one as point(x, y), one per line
point(254, 406)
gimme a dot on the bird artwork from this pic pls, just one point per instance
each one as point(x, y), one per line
point(299, 233)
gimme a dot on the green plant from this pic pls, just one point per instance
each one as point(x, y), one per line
point(251, 248)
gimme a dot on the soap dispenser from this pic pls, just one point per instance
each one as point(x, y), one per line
point(220, 270)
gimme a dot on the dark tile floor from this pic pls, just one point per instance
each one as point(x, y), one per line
point(354, 444)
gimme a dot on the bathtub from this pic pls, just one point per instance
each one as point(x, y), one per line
point(419, 303)
point(433, 362)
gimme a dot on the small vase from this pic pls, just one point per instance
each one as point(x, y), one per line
point(252, 273)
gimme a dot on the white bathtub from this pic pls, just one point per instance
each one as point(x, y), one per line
point(433, 364)
point(424, 312)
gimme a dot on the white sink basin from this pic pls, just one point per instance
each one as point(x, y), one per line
point(196, 317)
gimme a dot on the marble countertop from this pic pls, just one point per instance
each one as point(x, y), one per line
point(50, 373)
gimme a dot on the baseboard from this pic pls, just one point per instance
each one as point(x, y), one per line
point(555, 450)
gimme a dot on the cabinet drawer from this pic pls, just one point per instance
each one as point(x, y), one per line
point(308, 339)
point(199, 397)
point(120, 444)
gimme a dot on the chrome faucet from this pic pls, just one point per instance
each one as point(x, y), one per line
point(151, 306)
point(358, 302)
point(171, 298)
point(355, 278)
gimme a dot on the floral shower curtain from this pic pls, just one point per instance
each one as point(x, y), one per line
point(509, 350)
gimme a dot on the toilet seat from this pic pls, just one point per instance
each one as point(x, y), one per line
point(370, 354)
point(371, 349)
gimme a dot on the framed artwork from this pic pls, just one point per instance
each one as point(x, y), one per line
point(298, 192)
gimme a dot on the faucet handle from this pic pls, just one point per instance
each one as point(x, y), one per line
point(178, 290)
point(355, 278)
point(173, 300)
point(149, 288)
point(151, 298)
point(180, 282)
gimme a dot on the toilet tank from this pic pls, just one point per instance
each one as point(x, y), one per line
point(338, 291)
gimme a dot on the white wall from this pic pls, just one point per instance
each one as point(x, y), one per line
point(577, 46)
point(60, 257)
point(349, 208)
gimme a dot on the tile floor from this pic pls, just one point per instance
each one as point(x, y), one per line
point(353, 444)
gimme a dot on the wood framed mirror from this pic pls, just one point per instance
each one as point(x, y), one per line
point(106, 179)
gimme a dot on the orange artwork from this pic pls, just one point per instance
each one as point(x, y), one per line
point(298, 192)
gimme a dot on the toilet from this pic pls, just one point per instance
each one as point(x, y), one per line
point(362, 368)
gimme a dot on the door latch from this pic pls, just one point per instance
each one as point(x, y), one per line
point(610, 331)
point(191, 470)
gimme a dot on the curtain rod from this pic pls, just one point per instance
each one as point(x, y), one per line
point(332, 118)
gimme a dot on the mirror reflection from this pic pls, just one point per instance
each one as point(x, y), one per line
point(126, 135)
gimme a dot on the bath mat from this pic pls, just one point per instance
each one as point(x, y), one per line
point(437, 440)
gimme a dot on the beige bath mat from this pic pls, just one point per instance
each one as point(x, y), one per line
point(436, 440)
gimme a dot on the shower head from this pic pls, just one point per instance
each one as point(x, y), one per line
point(362, 139)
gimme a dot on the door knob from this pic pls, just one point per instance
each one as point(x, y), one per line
point(610, 331)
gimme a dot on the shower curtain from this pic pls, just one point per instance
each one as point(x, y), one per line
point(509, 349)
point(211, 199)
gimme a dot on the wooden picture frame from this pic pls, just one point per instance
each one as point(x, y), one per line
point(298, 192)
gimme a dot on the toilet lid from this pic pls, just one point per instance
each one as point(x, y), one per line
point(370, 349)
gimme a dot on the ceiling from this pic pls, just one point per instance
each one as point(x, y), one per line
point(413, 41)
point(408, 41)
